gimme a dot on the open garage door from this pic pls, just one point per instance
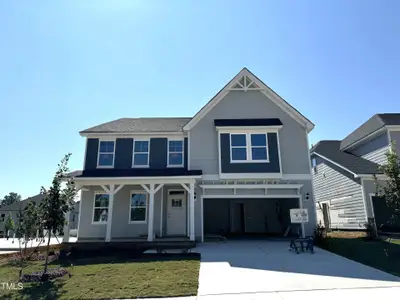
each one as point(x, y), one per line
point(260, 216)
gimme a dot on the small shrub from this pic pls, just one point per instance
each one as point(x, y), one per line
point(320, 234)
point(370, 229)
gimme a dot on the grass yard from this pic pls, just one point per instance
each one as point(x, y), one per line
point(103, 278)
point(375, 253)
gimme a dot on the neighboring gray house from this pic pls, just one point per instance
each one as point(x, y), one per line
point(236, 167)
point(343, 173)
point(14, 208)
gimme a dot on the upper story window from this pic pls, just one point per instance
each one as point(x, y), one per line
point(106, 154)
point(175, 153)
point(141, 153)
point(249, 147)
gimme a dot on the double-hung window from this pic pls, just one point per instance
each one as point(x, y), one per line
point(141, 153)
point(106, 154)
point(249, 147)
point(138, 207)
point(175, 153)
point(100, 208)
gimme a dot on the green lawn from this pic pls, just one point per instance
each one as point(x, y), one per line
point(376, 253)
point(110, 278)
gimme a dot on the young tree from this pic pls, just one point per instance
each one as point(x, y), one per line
point(390, 190)
point(9, 225)
point(57, 202)
point(10, 199)
point(27, 225)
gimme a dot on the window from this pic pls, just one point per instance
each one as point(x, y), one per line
point(175, 153)
point(138, 207)
point(106, 154)
point(2, 218)
point(141, 154)
point(249, 147)
point(100, 210)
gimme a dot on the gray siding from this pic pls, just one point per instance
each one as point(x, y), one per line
point(123, 154)
point(92, 148)
point(120, 219)
point(250, 104)
point(395, 136)
point(331, 183)
point(271, 167)
point(374, 149)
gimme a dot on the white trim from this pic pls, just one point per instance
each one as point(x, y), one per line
point(216, 177)
point(94, 203)
point(364, 199)
point(84, 156)
point(148, 153)
point(303, 232)
point(393, 127)
point(188, 151)
point(219, 154)
point(251, 186)
point(367, 137)
point(372, 203)
point(135, 180)
point(336, 164)
point(79, 214)
point(280, 102)
point(248, 129)
point(202, 217)
point(133, 135)
point(143, 192)
point(162, 213)
point(183, 153)
point(192, 213)
point(98, 153)
point(250, 176)
point(279, 151)
point(250, 196)
point(249, 147)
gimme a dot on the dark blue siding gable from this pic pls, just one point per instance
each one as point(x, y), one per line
point(271, 167)
point(158, 153)
point(92, 149)
point(123, 154)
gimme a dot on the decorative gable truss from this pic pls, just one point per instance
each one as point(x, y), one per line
point(245, 83)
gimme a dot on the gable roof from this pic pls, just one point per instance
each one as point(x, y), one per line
point(257, 85)
point(139, 125)
point(330, 150)
point(375, 123)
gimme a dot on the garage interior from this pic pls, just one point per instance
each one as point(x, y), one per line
point(249, 217)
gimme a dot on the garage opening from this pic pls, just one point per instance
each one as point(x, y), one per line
point(249, 217)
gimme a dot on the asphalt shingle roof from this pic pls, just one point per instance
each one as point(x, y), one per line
point(373, 124)
point(355, 164)
point(140, 125)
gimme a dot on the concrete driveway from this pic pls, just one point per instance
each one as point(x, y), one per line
point(267, 270)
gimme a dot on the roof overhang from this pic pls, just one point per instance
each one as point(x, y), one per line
point(87, 181)
point(130, 134)
point(263, 88)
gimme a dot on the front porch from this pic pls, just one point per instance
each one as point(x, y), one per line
point(136, 210)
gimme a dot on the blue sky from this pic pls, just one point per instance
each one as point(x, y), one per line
point(68, 65)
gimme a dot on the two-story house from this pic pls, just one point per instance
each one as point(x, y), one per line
point(237, 166)
point(343, 174)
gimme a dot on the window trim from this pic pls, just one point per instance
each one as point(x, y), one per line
point(183, 153)
point(130, 206)
point(133, 153)
point(98, 153)
point(94, 207)
point(249, 154)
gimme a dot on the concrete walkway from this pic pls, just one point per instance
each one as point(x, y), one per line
point(267, 270)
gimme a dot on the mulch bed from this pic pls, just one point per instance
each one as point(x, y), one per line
point(38, 276)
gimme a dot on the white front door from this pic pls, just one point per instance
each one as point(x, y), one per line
point(176, 213)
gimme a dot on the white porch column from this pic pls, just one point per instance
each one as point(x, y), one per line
point(150, 233)
point(66, 228)
point(110, 212)
point(303, 234)
point(191, 208)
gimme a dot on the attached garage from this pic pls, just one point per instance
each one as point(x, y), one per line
point(249, 216)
